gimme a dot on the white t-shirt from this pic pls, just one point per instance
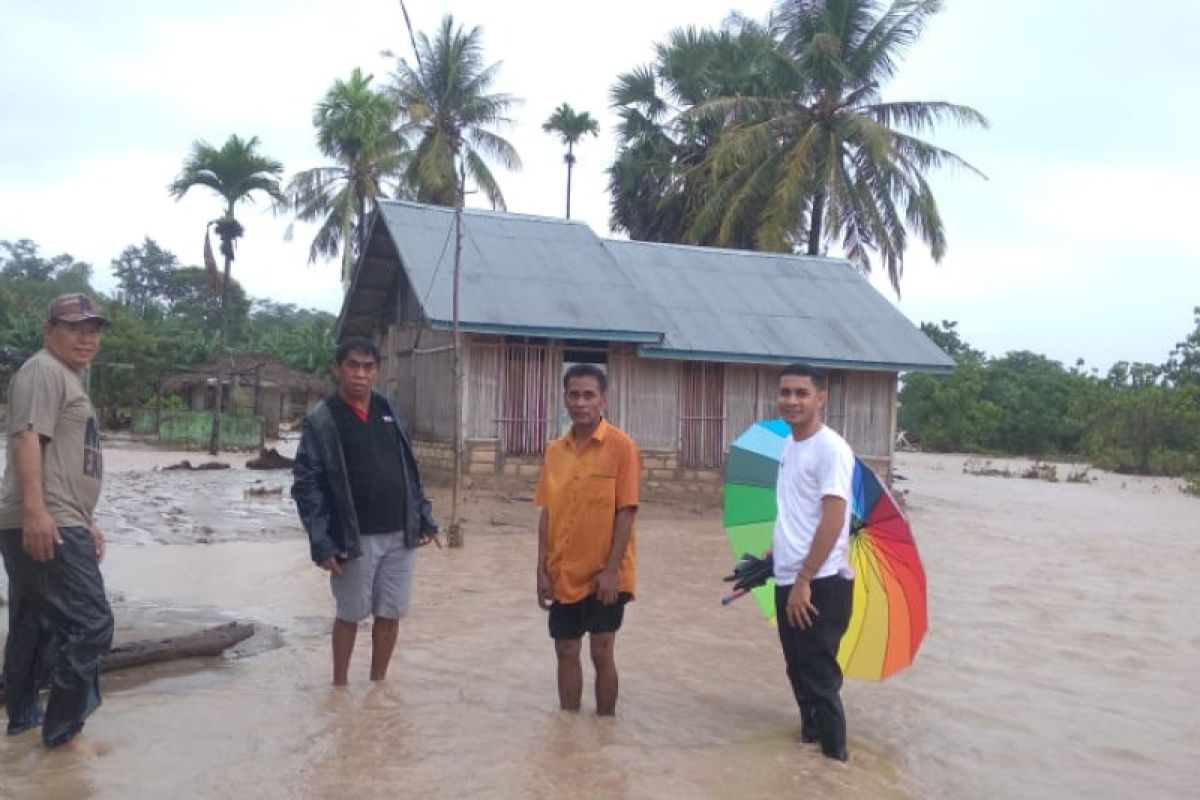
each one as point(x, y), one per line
point(820, 466)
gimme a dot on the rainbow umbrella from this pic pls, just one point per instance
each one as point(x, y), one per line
point(889, 617)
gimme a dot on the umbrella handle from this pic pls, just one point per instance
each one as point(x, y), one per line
point(729, 598)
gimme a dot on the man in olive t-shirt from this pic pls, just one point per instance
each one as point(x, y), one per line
point(48, 537)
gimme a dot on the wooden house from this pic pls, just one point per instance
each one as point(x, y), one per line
point(691, 338)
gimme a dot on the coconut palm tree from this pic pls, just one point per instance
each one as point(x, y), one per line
point(447, 114)
point(837, 161)
point(354, 128)
point(236, 172)
point(570, 127)
point(657, 182)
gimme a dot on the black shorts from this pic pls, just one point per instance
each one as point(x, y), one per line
point(572, 620)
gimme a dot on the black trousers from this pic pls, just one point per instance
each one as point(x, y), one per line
point(59, 621)
point(811, 658)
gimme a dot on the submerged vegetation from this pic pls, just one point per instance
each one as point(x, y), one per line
point(1137, 418)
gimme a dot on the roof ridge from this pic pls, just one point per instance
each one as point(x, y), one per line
point(484, 212)
point(737, 250)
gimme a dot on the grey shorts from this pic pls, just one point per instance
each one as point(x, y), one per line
point(378, 582)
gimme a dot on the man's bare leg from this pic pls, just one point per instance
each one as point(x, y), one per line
point(80, 745)
point(383, 642)
point(604, 660)
point(343, 646)
point(570, 673)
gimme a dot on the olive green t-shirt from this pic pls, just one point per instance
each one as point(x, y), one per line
point(46, 396)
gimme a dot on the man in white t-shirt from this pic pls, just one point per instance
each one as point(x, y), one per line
point(813, 579)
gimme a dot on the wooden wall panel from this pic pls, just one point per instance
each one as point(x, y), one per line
point(482, 399)
point(649, 403)
point(870, 399)
point(742, 406)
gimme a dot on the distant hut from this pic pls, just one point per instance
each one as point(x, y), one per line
point(251, 383)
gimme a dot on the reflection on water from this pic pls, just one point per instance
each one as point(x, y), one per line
point(1042, 675)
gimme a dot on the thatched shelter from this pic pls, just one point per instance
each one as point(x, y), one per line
point(251, 383)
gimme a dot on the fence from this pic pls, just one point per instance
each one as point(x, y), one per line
point(191, 430)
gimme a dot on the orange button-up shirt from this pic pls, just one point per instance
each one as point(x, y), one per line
point(582, 490)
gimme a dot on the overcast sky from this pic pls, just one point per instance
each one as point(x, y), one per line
point(1080, 243)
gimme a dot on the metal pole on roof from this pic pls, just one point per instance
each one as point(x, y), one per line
point(411, 38)
point(454, 537)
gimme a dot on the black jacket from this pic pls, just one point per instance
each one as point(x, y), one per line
point(322, 490)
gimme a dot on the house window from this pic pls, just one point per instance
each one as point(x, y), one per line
point(701, 415)
point(525, 405)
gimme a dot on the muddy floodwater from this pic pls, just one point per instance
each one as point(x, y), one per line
point(1061, 659)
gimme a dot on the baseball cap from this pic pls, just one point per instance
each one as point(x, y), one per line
point(75, 307)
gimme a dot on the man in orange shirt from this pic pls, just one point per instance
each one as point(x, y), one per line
point(588, 493)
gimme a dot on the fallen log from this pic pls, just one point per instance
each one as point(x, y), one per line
point(208, 642)
point(188, 465)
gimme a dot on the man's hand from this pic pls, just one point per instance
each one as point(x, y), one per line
point(332, 564)
point(429, 536)
point(800, 610)
point(97, 541)
point(606, 587)
point(545, 589)
point(39, 534)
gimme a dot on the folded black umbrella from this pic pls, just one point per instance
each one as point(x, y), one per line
point(748, 573)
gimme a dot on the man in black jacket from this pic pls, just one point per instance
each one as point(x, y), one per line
point(359, 495)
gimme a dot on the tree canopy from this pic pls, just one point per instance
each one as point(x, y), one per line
point(449, 114)
point(1142, 418)
point(164, 314)
point(777, 136)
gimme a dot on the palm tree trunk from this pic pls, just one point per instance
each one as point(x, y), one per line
point(815, 224)
point(214, 441)
point(362, 232)
point(570, 164)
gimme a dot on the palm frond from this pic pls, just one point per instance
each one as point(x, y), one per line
point(922, 116)
point(477, 168)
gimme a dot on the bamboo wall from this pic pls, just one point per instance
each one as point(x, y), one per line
point(647, 401)
point(513, 392)
point(744, 388)
point(645, 396)
point(481, 402)
point(861, 405)
point(420, 383)
point(870, 412)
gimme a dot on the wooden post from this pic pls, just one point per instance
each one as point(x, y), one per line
point(103, 394)
point(454, 536)
point(214, 441)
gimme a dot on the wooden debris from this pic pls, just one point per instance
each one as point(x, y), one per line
point(269, 458)
point(208, 642)
point(188, 465)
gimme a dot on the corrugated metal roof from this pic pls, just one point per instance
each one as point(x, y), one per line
point(520, 274)
point(539, 276)
point(738, 305)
